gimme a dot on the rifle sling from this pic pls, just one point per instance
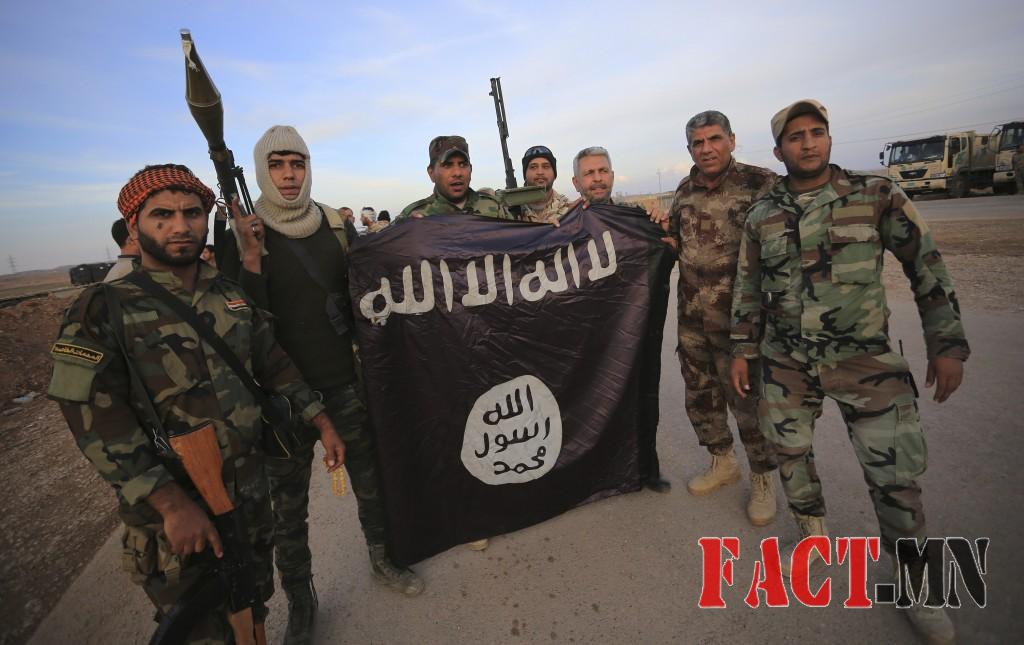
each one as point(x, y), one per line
point(206, 333)
point(142, 397)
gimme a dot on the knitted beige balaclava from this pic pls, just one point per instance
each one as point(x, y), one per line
point(297, 217)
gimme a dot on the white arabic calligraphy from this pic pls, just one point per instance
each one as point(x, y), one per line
point(534, 285)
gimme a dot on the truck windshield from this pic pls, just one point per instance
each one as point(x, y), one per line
point(911, 151)
point(1013, 136)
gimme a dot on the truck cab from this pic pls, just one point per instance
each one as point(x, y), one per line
point(950, 163)
point(1009, 137)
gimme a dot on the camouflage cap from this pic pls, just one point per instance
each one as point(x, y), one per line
point(445, 146)
point(786, 114)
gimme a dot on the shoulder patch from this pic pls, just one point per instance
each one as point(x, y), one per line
point(237, 305)
point(77, 351)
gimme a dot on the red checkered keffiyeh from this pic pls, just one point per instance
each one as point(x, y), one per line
point(153, 180)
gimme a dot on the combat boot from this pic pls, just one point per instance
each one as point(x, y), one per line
point(809, 525)
point(478, 545)
point(932, 624)
point(386, 572)
point(723, 471)
point(761, 507)
point(302, 606)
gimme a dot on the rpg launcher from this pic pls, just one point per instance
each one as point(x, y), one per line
point(204, 103)
point(512, 197)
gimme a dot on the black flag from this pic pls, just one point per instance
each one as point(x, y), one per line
point(510, 367)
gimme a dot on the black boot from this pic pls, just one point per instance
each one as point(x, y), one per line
point(302, 606)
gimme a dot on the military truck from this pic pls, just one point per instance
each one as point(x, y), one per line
point(1008, 136)
point(951, 163)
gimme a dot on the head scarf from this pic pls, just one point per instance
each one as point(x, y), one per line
point(294, 218)
point(153, 179)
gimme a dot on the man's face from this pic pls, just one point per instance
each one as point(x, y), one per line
point(711, 149)
point(595, 179)
point(171, 229)
point(347, 214)
point(540, 173)
point(287, 171)
point(805, 147)
point(451, 177)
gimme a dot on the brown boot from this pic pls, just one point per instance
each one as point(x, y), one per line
point(761, 507)
point(723, 471)
point(809, 525)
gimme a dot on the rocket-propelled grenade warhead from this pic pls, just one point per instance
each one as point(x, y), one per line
point(202, 96)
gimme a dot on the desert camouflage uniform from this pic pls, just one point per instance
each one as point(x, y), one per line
point(478, 203)
point(190, 385)
point(707, 221)
point(549, 212)
point(809, 276)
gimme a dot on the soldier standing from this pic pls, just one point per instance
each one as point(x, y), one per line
point(167, 524)
point(451, 171)
point(292, 259)
point(541, 169)
point(706, 218)
point(810, 277)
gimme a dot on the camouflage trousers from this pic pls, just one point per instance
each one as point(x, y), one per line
point(165, 577)
point(289, 486)
point(877, 399)
point(704, 360)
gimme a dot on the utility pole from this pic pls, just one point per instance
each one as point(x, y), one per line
point(659, 180)
point(14, 265)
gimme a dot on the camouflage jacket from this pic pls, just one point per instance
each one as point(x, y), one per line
point(707, 221)
point(549, 212)
point(477, 203)
point(188, 383)
point(815, 274)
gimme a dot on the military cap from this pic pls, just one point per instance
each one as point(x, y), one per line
point(790, 112)
point(445, 146)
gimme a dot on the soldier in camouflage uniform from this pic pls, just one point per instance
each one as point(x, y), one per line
point(167, 524)
point(541, 169)
point(286, 222)
point(451, 172)
point(809, 301)
point(706, 219)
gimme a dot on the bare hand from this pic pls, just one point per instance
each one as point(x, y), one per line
point(659, 217)
point(248, 228)
point(948, 373)
point(334, 448)
point(739, 373)
point(187, 527)
point(671, 241)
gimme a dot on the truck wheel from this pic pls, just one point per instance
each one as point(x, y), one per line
point(958, 188)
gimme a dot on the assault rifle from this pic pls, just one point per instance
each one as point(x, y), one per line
point(233, 580)
point(512, 197)
point(204, 103)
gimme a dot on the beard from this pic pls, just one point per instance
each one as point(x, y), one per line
point(548, 185)
point(153, 248)
point(589, 195)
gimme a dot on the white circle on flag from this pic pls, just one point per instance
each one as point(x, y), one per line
point(513, 433)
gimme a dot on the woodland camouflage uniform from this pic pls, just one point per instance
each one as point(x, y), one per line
point(189, 385)
point(809, 301)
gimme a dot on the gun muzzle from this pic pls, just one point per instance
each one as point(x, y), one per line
point(201, 95)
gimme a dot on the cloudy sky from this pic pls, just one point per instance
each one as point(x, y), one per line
point(93, 91)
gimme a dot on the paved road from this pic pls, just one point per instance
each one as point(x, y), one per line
point(628, 569)
point(980, 207)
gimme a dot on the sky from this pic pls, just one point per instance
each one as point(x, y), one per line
point(94, 91)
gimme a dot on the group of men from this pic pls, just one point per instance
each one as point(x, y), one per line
point(780, 305)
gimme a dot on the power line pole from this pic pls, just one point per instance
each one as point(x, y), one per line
point(14, 265)
point(659, 180)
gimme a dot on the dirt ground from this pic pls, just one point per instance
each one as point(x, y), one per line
point(58, 511)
